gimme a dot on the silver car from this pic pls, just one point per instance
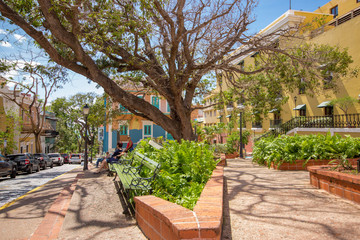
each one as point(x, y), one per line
point(56, 158)
point(75, 158)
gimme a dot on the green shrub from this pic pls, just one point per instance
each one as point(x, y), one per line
point(185, 169)
point(304, 147)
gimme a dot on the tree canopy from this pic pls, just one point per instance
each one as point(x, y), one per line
point(168, 46)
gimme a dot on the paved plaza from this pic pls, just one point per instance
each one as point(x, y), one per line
point(259, 203)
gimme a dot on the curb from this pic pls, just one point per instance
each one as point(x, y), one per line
point(50, 226)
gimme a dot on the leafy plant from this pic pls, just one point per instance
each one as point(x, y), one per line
point(290, 148)
point(185, 169)
point(232, 141)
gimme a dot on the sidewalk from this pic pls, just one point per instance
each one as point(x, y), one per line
point(73, 206)
point(262, 203)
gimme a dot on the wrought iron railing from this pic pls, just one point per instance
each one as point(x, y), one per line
point(333, 121)
point(275, 123)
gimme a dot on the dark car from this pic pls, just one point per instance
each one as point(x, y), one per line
point(25, 162)
point(7, 167)
point(66, 157)
point(44, 160)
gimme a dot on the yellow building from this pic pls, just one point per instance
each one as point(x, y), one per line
point(341, 29)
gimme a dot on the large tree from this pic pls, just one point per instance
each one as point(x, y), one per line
point(31, 93)
point(168, 46)
point(71, 121)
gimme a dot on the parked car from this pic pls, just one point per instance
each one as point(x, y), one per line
point(56, 158)
point(75, 158)
point(7, 167)
point(66, 157)
point(25, 162)
point(44, 160)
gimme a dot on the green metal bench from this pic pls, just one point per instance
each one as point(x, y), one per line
point(130, 179)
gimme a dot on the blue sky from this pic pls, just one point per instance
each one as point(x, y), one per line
point(266, 12)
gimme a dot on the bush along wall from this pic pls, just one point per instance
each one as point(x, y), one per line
point(185, 169)
point(288, 149)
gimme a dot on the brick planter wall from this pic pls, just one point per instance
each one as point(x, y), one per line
point(231, 155)
point(298, 165)
point(223, 160)
point(341, 184)
point(160, 219)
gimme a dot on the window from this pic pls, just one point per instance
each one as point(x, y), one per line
point(123, 130)
point(168, 107)
point(215, 113)
point(329, 111)
point(122, 108)
point(242, 64)
point(302, 112)
point(155, 101)
point(147, 130)
point(328, 80)
point(334, 11)
point(210, 113)
point(302, 86)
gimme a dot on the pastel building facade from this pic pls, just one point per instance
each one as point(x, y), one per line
point(341, 28)
point(138, 128)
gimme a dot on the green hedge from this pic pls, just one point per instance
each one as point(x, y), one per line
point(304, 147)
point(185, 169)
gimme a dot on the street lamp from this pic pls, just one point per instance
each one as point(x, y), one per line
point(86, 110)
point(240, 107)
point(295, 98)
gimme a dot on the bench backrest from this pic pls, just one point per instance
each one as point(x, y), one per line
point(155, 145)
point(151, 164)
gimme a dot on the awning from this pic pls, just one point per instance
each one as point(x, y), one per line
point(273, 110)
point(228, 116)
point(219, 117)
point(300, 107)
point(324, 104)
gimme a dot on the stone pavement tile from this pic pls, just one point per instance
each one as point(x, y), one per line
point(95, 212)
point(262, 203)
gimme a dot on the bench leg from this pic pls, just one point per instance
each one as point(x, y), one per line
point(121, 194)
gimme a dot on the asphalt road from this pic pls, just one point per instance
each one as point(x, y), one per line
point(11, 189)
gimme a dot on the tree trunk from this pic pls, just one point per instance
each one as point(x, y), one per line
point(37, 142)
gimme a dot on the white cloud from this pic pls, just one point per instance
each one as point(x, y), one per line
point(19, 37)
point(5, 44)
point(2, 31)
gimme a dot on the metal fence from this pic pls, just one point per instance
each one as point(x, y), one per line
point(333, 121)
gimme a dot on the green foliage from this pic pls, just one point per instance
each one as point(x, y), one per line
point(232, 141)
point(304, 147)
point(10, 121)
point(185, 169)
point(344, 103)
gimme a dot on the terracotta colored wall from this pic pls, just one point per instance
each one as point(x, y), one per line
point(160, 219)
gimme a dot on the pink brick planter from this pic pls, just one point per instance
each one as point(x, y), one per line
point(299, 164)
point(341, 184)
point(160, 219)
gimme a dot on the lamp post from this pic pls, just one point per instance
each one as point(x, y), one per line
point(240, 107)
point(86, 110)
point(295, 98)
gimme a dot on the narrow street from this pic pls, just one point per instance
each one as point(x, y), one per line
point(11, 189)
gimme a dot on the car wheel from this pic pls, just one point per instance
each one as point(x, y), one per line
point(13, 173)
point(38, 168)
point(30, 170)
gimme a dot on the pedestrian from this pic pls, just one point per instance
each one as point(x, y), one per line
point(129, 146)
point(99, 160)
point(114, 158)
